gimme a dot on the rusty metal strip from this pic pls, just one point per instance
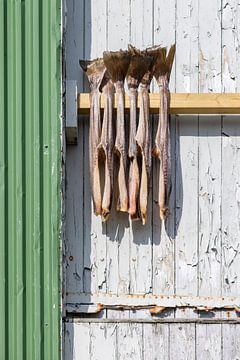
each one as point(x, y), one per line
point(155, 303)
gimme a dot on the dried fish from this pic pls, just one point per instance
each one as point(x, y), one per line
point(117, 64)
point(95, 71)
point(139, 65)
point(161, 150)
point(107, 143)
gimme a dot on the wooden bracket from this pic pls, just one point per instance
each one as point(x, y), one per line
point(71, 112)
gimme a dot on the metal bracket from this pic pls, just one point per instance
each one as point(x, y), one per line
point(71, 112)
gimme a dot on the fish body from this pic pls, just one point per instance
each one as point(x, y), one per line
point(95, 71)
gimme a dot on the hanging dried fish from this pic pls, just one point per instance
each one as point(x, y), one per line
point(117, 65)
point(161, 150)
point(95, 71)
point(139, 65)
point(143, 136)
point(107, 143)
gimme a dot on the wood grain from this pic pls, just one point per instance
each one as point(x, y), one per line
point(181, 103)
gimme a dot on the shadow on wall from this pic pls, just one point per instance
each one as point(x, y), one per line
point(77, 46)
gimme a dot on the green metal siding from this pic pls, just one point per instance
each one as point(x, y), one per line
point(29, 179)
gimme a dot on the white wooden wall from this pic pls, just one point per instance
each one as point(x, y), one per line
point(198, 253)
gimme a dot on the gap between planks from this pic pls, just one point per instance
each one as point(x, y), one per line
point(181, 103)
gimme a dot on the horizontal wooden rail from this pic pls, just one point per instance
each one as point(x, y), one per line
point(210, 103)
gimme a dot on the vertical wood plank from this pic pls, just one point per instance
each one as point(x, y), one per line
point(164, 31)
point(230, 206)
point(210, 153)
point(210, 46)
point(74, 155)
point(118, 256)
point(130, 342)
point(187, 33)
point(186, 255)
point(230, 46)
point(156, 341)
point(74, 40)
point(208, 341)
point(141, 23)
point(81, 341)
point(230, 152)
point(68, 341)
point(74, 216)
point(103, 341)
point(163, 245)
point(182, 341)
point(209, 207)
point(118, 24)
point(186, 206)
point(95, 28)
point(95, 246)
point(231, 342)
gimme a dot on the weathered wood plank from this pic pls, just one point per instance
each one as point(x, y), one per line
point(118, 24)
point(186, 81)
point(186, 256)
point(141, 24)
point(74, 155)
point(208, 342)
point(209, 207)
point(130, 341)
point(103, 342)
point(230, 46)
point(230, 63)
point(95, 245)
point(118, 246)
point(163, 233)
point(231, 342)
point(155, 341)
point(163, 246)
point(187, 47)
point(210, 153)
point(230, 187)
point(210, 45)
point(68, 341)
point(95, 30)
point(77, 341)
point(182, 341)
point(230, 206)
point(74, 41)
point(164, 30)
point(74, 216)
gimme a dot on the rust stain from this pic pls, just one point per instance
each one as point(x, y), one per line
point(157, 309)
point(99, 307)
point(205, 308)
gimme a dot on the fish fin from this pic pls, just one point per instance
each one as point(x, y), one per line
point(117, 63)
point(95, 70)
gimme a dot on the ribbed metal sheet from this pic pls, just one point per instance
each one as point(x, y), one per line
point(29, 179)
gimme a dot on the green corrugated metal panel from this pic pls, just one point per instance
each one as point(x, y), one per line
point(29, 179)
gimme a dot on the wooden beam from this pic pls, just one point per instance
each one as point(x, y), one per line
point(209, 103)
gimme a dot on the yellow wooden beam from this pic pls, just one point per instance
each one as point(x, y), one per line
point(210, 103)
